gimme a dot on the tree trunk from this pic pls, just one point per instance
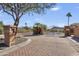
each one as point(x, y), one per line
point(68, 21)
point(16, 24)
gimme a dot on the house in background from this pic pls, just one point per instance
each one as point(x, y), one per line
point(57, 29)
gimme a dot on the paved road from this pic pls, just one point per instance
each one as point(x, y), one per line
point(45, 46)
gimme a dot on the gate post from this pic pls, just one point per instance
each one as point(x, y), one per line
point(76, 31)
point(9, 35)
point(67, 31)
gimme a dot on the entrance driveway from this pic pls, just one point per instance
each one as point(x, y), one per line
point(45, 46)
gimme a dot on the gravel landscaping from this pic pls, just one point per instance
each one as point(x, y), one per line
point(18, 41)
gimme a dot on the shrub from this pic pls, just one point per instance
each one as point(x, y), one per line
point(0, 31)
point(23, 30)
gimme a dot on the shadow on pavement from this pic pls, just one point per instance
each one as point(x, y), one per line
point(61, 36)
point(75, 38)
point(3, 46)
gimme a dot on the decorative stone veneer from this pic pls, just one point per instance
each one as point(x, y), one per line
point(9, 34)
point(67, 30)
point(76, 31)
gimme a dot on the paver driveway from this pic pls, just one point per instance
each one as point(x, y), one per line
point(45, 46)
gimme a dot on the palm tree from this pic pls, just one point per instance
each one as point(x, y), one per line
point(68, 15)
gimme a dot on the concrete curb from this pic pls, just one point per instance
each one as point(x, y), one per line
point(73, 40)
point(15, 47)
point(73, 45)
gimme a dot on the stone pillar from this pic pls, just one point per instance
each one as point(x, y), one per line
point(9, 34)
point(72, 30)
point(76, 31)
point(67, 30)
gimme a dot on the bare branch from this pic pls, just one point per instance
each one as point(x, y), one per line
point(21, 15)
point(9, 14)
point(17, 10)
point(13, 16)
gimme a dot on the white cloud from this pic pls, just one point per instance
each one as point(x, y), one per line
point(55, 9)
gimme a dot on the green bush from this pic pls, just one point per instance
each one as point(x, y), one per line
point(0, 31)
point(23, 30)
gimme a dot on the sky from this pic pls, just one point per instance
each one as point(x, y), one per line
point(53, 17)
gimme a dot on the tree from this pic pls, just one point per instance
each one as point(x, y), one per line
point(26, 27)
point(1, 27)
point(39, 28)
point(41, 25)
point(68, 15)
point(44, 27)
point(17, 10)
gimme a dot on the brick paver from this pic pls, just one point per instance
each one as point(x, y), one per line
point(45, 46)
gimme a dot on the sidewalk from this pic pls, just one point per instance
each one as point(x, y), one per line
point(45, 46)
